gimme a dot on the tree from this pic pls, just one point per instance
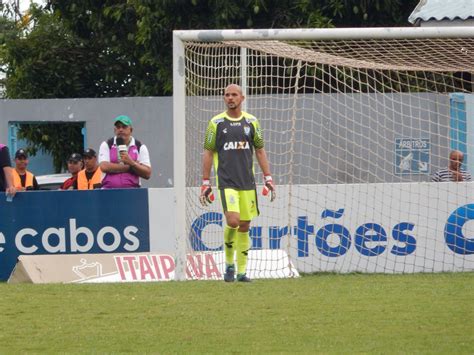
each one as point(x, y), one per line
point(8, 31)
point(115, 48)
point(371, 13)
point(138, 34)
point(51, 62)
point(27, 63)
point(58, 139)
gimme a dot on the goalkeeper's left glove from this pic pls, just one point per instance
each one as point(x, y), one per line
point(269, 187)
point(207, 196)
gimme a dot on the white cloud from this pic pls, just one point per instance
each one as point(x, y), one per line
point(25, 4)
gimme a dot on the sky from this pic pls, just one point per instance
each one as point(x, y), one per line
point(25, 4)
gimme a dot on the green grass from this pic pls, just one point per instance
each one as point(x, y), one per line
point(421, 313)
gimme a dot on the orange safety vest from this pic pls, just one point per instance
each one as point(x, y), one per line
point(84, 184)
point(17, 179)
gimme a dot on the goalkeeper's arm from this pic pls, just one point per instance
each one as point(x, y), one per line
point(207, 164)
point(206, 196)
point(265, 166)
point(263, 161)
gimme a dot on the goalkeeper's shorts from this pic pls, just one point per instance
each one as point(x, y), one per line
point(240, 201)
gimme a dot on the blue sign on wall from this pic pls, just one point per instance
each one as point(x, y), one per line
point(412, 156)
point(71, 222)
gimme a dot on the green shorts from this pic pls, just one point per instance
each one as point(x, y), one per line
point(240, 201)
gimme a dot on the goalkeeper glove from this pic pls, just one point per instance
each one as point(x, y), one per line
point(269, 187)
point(207, 196)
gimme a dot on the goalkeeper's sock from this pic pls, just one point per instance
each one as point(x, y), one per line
point(243, 246)
point(229, 242)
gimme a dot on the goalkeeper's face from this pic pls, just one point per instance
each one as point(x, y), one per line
point(233, 97)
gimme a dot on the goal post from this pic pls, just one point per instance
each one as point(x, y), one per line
point(355, 122)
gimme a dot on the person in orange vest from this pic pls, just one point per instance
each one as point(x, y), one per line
point(90, 177)
point(22, 178)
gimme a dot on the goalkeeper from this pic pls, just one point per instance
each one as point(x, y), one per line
point(230, 140)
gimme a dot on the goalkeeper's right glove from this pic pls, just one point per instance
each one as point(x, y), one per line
point(207, 196)
point(269, 188)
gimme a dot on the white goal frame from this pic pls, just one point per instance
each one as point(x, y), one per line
point(179, 92)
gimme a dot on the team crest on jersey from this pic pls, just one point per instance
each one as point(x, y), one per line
point(247, 130)
point(236, 145)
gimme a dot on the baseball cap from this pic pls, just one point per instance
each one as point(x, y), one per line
point(127, 121)
point(75, 157)
point(89, 152)
point(21, 153)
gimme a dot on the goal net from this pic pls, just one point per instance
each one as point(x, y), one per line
point(355, 123)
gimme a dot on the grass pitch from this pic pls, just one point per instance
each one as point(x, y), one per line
point(428, 313)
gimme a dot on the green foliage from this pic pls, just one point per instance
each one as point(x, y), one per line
point(58, 139)
point(50, 62)
point(323, 314)
point(8, 32)
point(135, 36)
point(115, 48)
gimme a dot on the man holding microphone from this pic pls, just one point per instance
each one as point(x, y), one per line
point(122, 158)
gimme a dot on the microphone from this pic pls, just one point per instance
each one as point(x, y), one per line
point(121, 147)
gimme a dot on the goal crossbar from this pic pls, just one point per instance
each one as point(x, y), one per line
point(325, 33)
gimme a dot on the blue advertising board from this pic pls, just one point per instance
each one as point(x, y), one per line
point(72, 222)
point(412, 156)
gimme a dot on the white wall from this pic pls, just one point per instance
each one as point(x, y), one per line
point(422, 208)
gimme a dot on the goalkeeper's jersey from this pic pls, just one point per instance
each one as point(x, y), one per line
point(232, 141)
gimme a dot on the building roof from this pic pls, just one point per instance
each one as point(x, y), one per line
point(442, 10)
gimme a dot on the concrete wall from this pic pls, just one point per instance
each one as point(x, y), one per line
point(152, 117)
point(338, 138)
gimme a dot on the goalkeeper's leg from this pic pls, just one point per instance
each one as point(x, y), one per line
point(248, 210)
point(229, 244)
point(243, 246)
point(229, 250)
point(230, 205)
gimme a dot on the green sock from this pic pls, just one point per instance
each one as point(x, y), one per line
point(229, 244)
point(243, 246)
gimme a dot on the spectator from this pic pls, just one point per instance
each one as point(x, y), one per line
point(90, 177)
point(453, 172)
point(74, 165)
point(22, 178)
point(6, 172)
point(123, 159)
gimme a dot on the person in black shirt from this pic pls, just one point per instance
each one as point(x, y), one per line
point(6, 174)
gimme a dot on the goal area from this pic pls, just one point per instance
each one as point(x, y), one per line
point(356, 122)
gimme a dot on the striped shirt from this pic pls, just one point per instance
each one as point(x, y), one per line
point(446, 175)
